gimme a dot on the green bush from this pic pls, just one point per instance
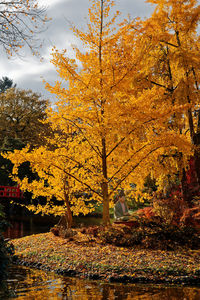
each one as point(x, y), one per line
point(6, 251)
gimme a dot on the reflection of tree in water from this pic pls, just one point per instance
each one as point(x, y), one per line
point(36, 284)
point(87, 290)
point(81, 289)
point(67, 291)
point(15, 230)
point(186, 293)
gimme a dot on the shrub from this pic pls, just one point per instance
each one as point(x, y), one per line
point(151, 235)
point(170, 209)
point(191, 216)
point(6, 252)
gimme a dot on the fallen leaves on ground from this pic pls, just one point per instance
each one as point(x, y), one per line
point(106, 260)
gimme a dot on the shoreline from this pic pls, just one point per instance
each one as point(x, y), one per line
point(84, 258)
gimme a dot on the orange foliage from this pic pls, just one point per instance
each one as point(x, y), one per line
point(132, 99)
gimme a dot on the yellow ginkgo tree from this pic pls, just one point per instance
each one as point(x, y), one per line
point(51, 180)
point(171, 64)
point(111, 125)
point(115, 124)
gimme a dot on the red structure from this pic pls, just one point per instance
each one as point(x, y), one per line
point(10, 192)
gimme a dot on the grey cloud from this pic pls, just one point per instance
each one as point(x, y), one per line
point(59, 34)
point(61, 14)
point(76, 11)
point(136, 8)
point(35, 83)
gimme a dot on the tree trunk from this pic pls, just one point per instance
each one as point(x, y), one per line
point(190, 180)
point(197, 156)
point(195, 138)
point(68, 214)
point(66, 220)
point(183, 184)
point(106, 215)
point(197, 165)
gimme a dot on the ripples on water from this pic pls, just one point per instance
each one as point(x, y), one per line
point(25, 283)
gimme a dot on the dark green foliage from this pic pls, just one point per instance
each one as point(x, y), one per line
point(21, 113)
point(150, 184)
point(8, 144)
point(6, 83)
point(6, 251)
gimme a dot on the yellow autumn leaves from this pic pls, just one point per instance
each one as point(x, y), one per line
point(126, 105)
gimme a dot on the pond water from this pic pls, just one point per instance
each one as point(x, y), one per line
point(26, 283)
point(27, 225)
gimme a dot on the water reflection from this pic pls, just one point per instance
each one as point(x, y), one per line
point(28, 226)
point(25, 283)
point(15, 230)
point(34, 284)
point(33, 225)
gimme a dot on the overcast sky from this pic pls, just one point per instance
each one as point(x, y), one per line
point(29, 72)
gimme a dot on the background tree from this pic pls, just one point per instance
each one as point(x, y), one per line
point(6, 83)
point(21, 122)
point(52, 182)
point(171, 66)
point(21, 116)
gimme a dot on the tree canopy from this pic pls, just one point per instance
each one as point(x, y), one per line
point(171, 66)
point(6, 83)
point(21, 116)
point(127, 111)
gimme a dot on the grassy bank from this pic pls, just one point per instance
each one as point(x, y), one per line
point(85, 257)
